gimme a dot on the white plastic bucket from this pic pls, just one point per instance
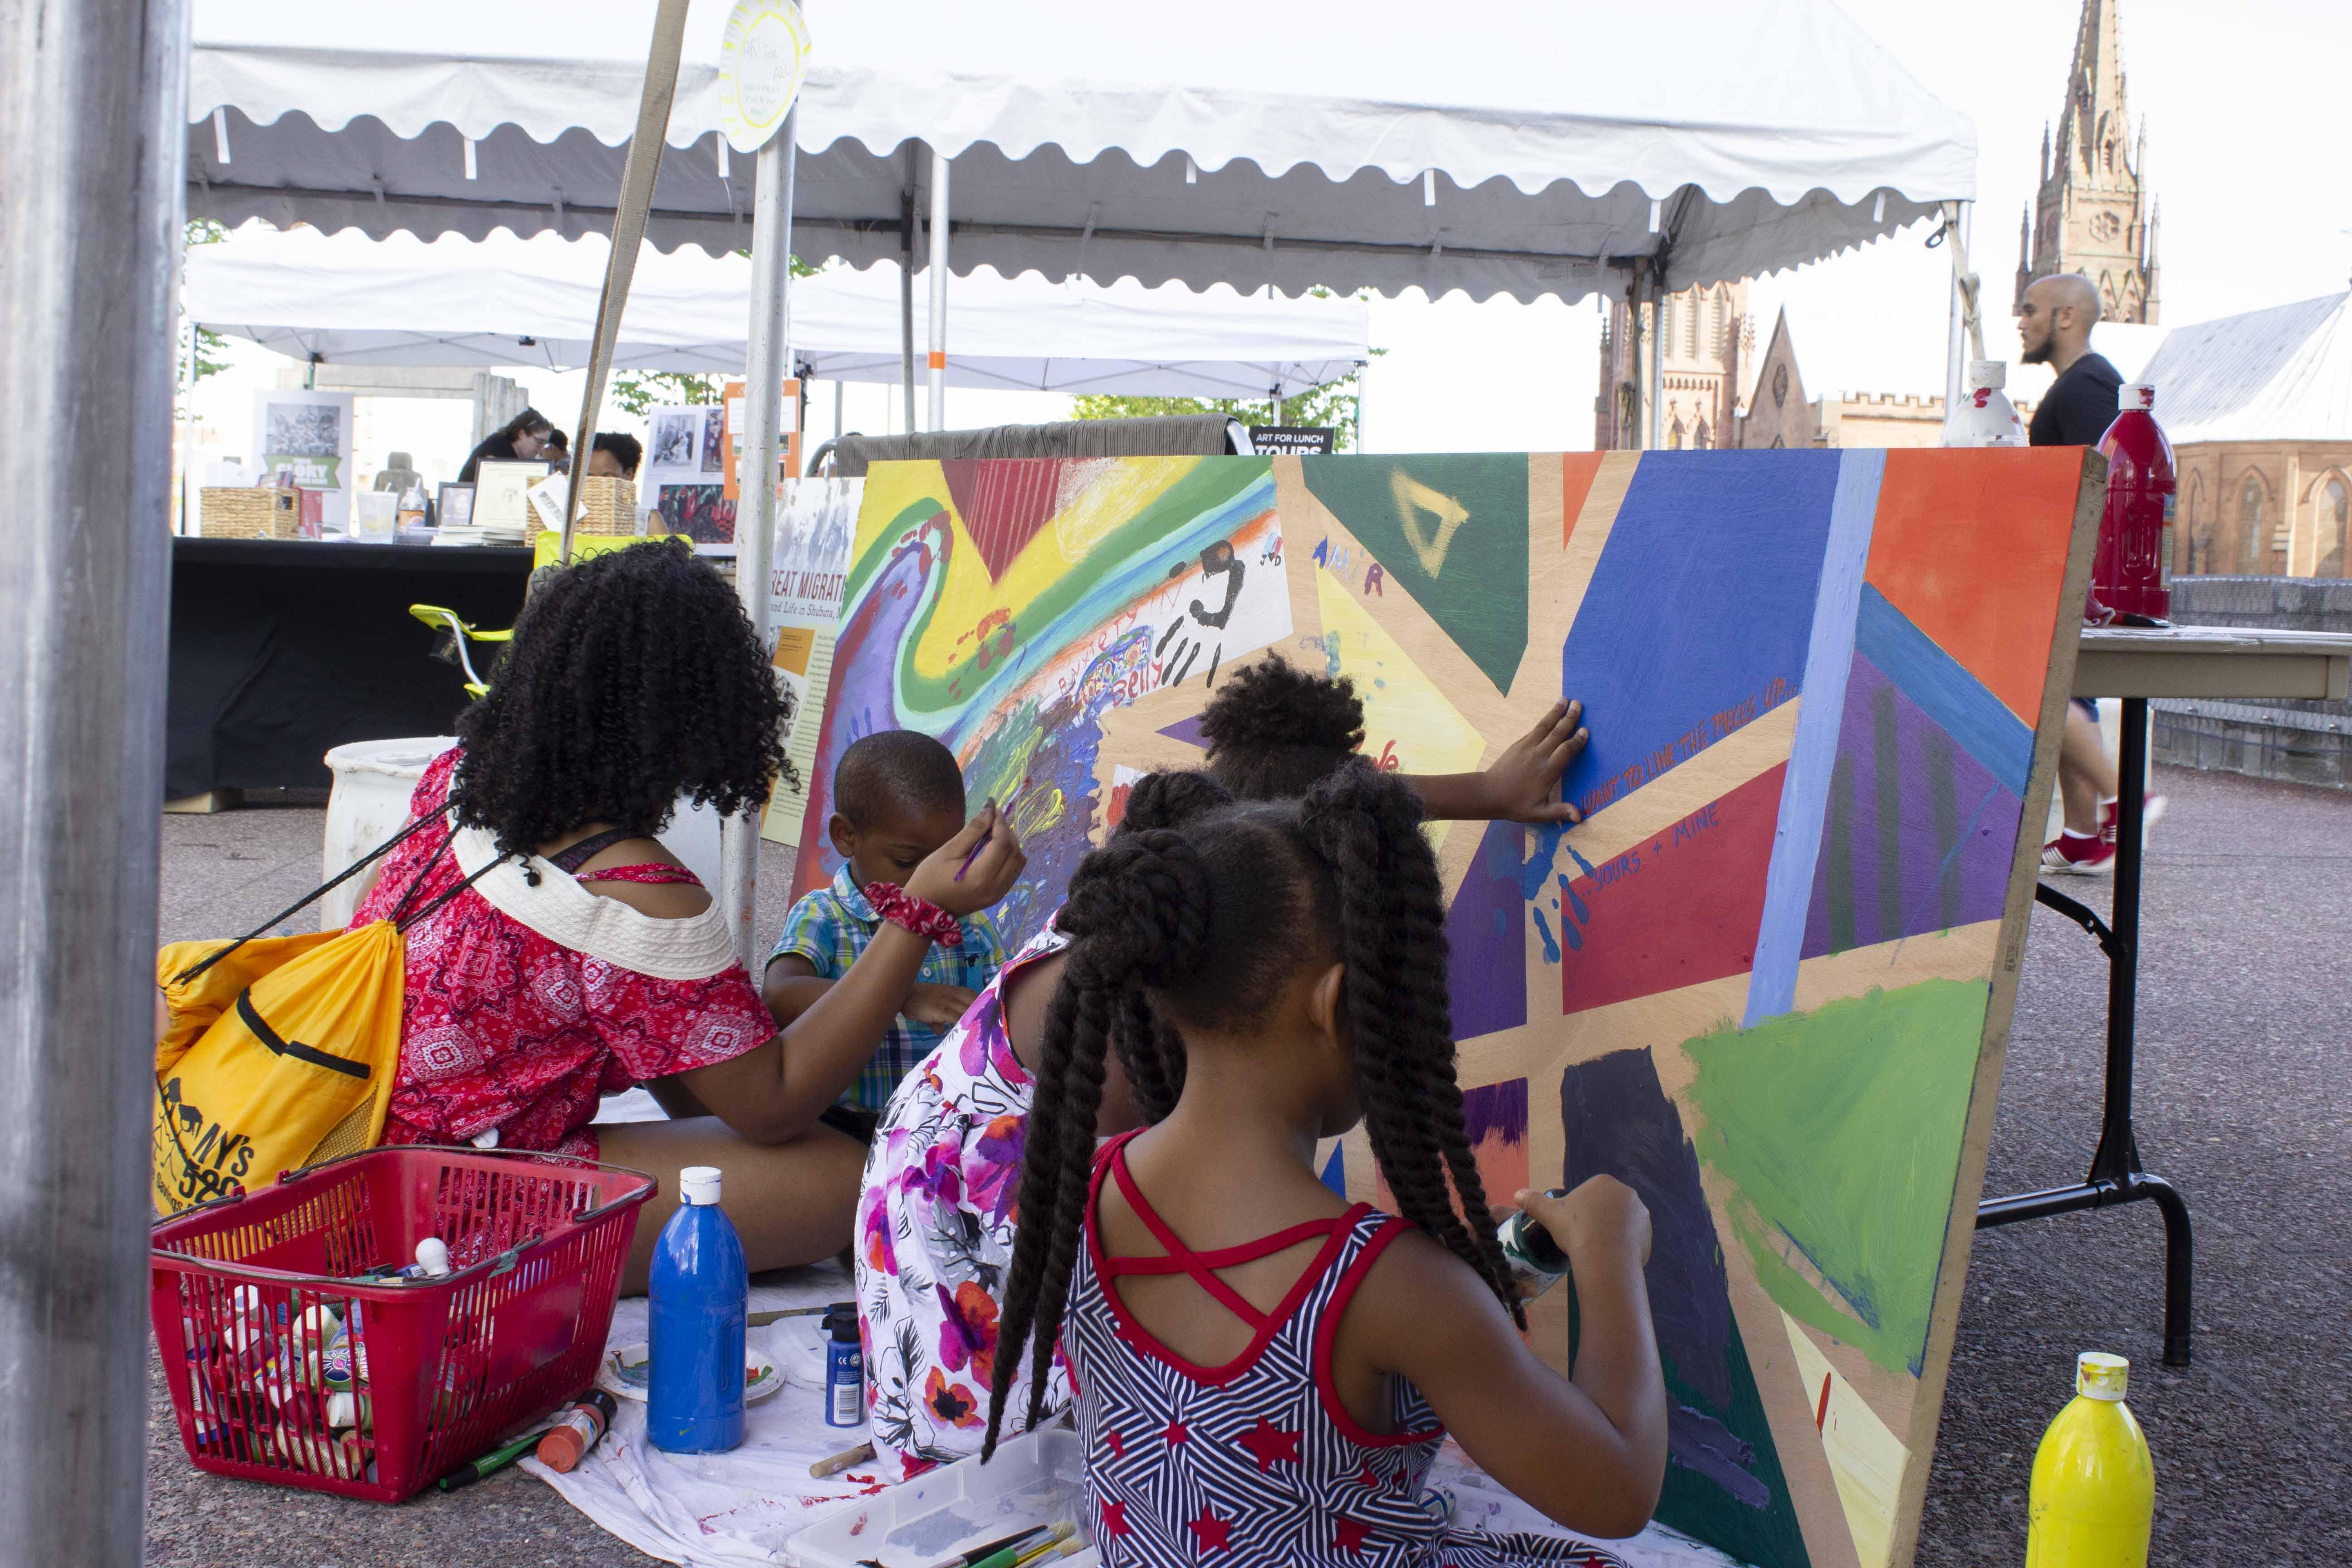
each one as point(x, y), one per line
point(373, 780)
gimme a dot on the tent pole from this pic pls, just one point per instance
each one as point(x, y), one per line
point(1656, 436)
point(93, 99)
point(639, 172)
point(936, 258)
point(907, 294)
point(1959, 218)
point(767, 355)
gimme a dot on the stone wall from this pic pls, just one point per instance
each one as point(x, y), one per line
point(2304, 741)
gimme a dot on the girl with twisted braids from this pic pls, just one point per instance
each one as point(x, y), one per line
point(1263, 1368)
point(936, 1216)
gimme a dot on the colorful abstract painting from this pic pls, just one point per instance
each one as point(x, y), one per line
point(1766, 980)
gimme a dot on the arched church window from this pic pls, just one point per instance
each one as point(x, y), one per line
point(1674, 434)
point(1780, 384)
point(1698, 441)
point(2335, 522)
point(2254, 548)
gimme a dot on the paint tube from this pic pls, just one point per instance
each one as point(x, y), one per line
point(1535, 1259)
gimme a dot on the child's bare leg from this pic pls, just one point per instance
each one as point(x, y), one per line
point(791, 1203)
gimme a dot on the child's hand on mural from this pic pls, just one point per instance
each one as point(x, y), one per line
point(974, 868)
point(1523, 785)
point(938, 1006)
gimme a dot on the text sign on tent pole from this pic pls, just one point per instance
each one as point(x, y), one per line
point(762, 60)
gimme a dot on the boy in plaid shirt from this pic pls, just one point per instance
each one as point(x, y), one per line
point(898, 795)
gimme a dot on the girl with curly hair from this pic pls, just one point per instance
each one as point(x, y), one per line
point(581, 959)
point(1263, 1368)
point(936, 1218)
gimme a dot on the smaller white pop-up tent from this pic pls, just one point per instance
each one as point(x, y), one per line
point(347, 300)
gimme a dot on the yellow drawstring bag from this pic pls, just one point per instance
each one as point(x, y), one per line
point(279, 1052)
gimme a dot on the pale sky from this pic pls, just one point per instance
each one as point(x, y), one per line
point(2244, 104)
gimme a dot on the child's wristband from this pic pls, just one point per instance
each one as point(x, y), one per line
point(922, 917)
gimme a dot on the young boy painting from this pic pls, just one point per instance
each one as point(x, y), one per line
point(898, 796)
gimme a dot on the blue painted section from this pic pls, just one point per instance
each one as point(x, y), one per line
point(1944, 691)
point(1698, 616)
point(1488, 981)
point(1335, 1169)
point(1812, 754)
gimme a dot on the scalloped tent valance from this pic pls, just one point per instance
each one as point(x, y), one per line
point(1527, 147)
point(506, 301)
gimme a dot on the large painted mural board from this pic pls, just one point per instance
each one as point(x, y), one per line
point(1767, 981)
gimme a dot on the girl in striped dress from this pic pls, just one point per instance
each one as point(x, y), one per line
point(1264, 1372)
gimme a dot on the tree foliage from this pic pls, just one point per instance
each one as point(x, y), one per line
point(1333, 404)
point(210, 347)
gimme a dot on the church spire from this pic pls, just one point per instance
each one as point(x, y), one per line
point(2090, 214)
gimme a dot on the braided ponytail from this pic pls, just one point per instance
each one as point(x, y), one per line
point(1138, 915)
point(1366, 827)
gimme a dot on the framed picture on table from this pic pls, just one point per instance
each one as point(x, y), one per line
point(454, 506)
point(502, 495)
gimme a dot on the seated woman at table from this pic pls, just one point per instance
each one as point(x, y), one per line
point(582, 959)
point(522, 440)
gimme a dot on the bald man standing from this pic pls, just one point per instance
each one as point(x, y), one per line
point(2053, 324)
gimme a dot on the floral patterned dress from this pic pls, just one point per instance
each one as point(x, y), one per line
point(935, 1224)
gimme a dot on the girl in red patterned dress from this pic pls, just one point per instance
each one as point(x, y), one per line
point(581, 958)
point(1264, 1371)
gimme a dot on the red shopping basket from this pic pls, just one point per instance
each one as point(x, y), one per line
point(247, 1292)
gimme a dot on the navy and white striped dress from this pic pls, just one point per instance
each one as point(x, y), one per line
point(1256, 1461)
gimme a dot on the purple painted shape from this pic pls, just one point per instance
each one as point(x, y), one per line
point(1971, 848)
point(1489, 974)
point(1497, 1110)
point(1189, 731)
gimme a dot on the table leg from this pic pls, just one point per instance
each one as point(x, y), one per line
point(2115, 1175)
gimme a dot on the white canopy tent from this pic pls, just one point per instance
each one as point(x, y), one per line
point(347, 300)
point(1391, 147)
point(1396, 147)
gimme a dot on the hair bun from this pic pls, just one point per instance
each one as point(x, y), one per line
point(1171, 798)
point(1140, 906)
point(1274, 704)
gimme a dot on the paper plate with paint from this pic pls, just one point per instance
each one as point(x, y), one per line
point(629, 1373)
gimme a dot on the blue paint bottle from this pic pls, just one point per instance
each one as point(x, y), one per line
point(694, 1395)
point(845, 1370)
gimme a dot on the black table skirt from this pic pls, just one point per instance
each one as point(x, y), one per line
point(283, 649)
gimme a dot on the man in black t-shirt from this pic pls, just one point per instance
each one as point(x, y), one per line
point(2053, 325)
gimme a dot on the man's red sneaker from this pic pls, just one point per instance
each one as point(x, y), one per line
point(2078, 855)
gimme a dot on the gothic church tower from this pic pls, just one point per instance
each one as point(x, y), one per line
point(2095, 215)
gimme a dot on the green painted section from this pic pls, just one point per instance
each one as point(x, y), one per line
point(1452, 531)
point(1840, 1128)
point(1769, 1537)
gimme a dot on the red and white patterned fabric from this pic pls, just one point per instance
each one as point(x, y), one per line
point(1257, 1460)
point(503, 1027)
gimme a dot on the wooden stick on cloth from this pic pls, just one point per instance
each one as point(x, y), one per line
point(628, 233)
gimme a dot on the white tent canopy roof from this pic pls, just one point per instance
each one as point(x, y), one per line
point(1499, 145)
point(348, 300)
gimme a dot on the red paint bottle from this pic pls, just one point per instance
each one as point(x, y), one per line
point(2132, 573)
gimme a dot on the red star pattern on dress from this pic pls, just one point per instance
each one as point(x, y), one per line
point(1212, 1530)
point(1177, 1432)
point(1114, 1519)
point(1268, 1444)
point(1349, 1535)
point(1115, 1444)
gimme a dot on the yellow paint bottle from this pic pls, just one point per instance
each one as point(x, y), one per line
point(2093, 1491)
